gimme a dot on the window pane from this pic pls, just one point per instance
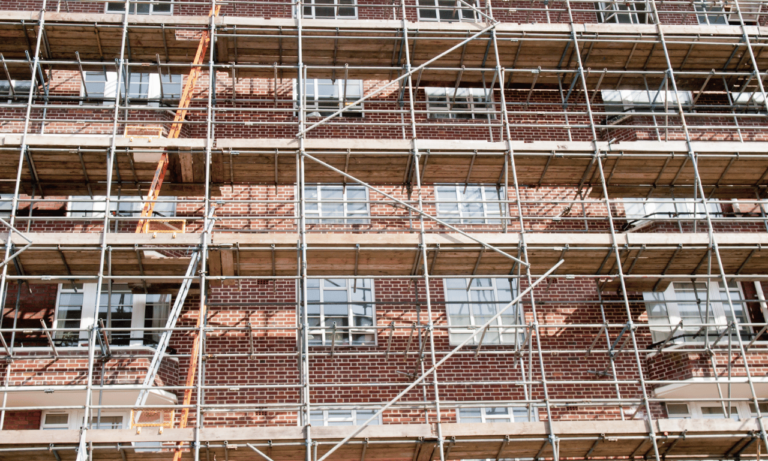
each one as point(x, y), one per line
point(677, 410)
point(427, 13)
point(56, 419)
point(470, 415)
point(363, 415)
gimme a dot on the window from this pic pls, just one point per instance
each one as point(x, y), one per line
point(55, 421)
point(156, 310)
point(146, 7)
point(494, 415)
point(446, 11)
point(68, 314)
point(632, 101)
point(460, 103)
point(621, 12)
point(340, 203)
point(637, 209)
point(470, 204)
point(342, 417)
point(469, 309)
point(346, 305)
point(6, 205)
point(688, 302)
point(83, 206)
point(326, 96)
point(330, 9)
point(710, 410)
point(117, 312)
point(73, 420)
point(75, 310)
point(710, 13)
point(150, 88)
point(20, 89)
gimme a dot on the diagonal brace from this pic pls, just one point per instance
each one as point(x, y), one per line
point(416, 210)
point(410, 72)
point(423, 376)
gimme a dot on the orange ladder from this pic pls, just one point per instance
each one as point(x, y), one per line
point(181, 112)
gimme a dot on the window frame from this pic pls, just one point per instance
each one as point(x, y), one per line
point(435, 8)
point(98, 204)
point(313, 109)
point(18, 92)
point(156, 88)
point(138, 316)
point(75, 416)
point(459, 217)
point(353, 417)
point(656, 212)
point(316, 217)
point(631, 12)
point(705, 10)
point(695, 410)
point(454, 331)
point(336, 7)
point(484, 419)
point(134, 7)
point(452, 96)
point(326, 334)
point(719, 313)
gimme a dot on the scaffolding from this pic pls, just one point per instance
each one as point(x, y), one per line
point(578, 237)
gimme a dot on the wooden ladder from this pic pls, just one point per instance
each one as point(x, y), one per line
point(175, 131)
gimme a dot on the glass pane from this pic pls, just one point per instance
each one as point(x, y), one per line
point(470, 415)
point(340, 418)
point(717, 413)
point(427, 13)
point(472, 205)
point(677, 410)
point(54, 419)
point(107, 422)
point(161, 8)
point(363, 415)
point(448, 12)
point(316, 418)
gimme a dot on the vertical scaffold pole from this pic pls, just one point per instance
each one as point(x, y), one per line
point(693, 157)
point(553, 441)
point(422, 239)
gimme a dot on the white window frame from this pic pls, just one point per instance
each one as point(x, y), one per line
point(718, 313)
point(6, 205)
point(710, 13)
point(326, 338)
point(348, 217)
point(89, 308)
point(355, 89)
point(696, 410)
point(131, 207)
point(336, 5)
point(641, 102)
point(509, 418)
point(618, 10)
point(134, 9)
point(507, 337)
point(76, 417)
point(451, 100)
point(434, 7)
point(461, 215)
point(19, 93)
point(156, 88)
point(641, 211)
point(352, 417)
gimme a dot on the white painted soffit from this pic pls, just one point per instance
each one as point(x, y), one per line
point(706, 388)
point(68, 398)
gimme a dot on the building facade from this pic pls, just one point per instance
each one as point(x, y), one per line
point(418, 230)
